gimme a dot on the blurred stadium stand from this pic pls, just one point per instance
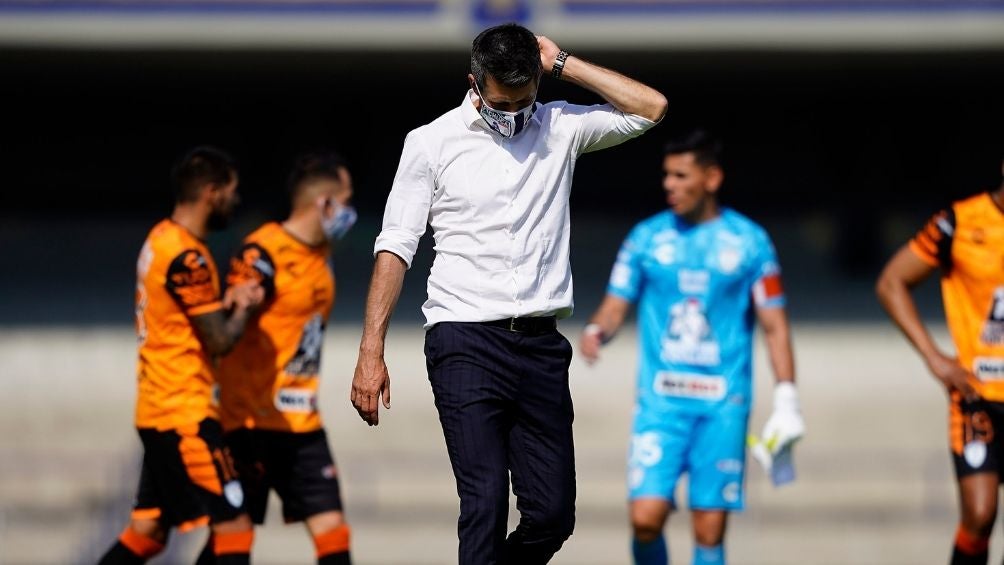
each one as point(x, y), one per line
point(397, 24)
point(846, 122)
point(841, 155)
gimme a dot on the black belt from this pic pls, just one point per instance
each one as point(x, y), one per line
point(535, 325)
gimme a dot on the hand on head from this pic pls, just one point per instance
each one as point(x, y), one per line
point(548, 52)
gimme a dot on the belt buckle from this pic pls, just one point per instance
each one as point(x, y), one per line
point(512, 325)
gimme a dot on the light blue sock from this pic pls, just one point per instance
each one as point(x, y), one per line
point(650, 553)
point(705, 555)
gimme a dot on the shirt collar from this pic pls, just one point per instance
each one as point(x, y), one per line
point(472, 118)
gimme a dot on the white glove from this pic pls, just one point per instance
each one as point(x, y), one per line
point(785, 425)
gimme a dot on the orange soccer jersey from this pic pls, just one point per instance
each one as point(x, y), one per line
point(967, 243)
point(176, 279)
point(270, 380)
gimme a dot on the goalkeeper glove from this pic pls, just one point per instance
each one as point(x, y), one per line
point(785, 425)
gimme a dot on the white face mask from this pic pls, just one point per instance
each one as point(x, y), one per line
point(339, 223)
point(507, 124)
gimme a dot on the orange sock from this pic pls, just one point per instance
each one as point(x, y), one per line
point(233, 542)
point(143, 546)
point(970, 544)
point(333, 541)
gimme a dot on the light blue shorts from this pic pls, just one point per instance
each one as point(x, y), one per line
point(709, 446)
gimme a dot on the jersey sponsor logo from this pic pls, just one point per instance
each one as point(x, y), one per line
point(688, 339)
point(145, 260)
point(142, 269)
point(307, 360)
point(621, 276)
point(988, 368)
point(190, 280)
point(693, 282)
point(141, 302)
point(993, 329)
point(731, 466)
point(681, 385)
point(298, 400)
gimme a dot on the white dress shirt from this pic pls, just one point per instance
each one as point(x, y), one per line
point(498, 207)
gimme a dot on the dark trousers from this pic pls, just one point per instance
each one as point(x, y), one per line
point(504, 404)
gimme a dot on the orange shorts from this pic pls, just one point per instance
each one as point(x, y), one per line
point(187, 478)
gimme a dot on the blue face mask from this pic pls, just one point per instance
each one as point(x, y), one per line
point(339, 223)
point(506, 124)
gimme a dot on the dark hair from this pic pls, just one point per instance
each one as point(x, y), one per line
point(311, 166)
point(507, 52)
point(707, 148)
point(201, 166)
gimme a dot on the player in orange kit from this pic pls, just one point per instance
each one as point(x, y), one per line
point(966, 242)
point(269, 383)
point(187, 478)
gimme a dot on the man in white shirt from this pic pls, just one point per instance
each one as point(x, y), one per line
point(492, 177)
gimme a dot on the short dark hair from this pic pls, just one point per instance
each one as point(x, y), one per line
point(201, 166)
point(707, 148)
point(312, 166)
point(507, 52)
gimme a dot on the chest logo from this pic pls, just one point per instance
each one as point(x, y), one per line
point(665, 254)
point(728, 260)
point(979, 236)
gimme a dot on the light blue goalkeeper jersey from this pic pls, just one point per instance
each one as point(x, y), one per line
point(696, 287)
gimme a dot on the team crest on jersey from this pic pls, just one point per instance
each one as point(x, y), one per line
point(975, 453)
point(993, 329)
point(665, 254)
point(307, 360)
point(689, 339)
point(729, 259)
point(234, 493)
point(730, 492)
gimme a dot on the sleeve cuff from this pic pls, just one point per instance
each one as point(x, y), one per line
point(923, 255)
point(390, 244)
point(622, 294)
point(639, 123)
point(204, 309)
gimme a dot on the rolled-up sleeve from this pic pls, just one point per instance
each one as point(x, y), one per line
point(602, 126)
point(407, 213)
